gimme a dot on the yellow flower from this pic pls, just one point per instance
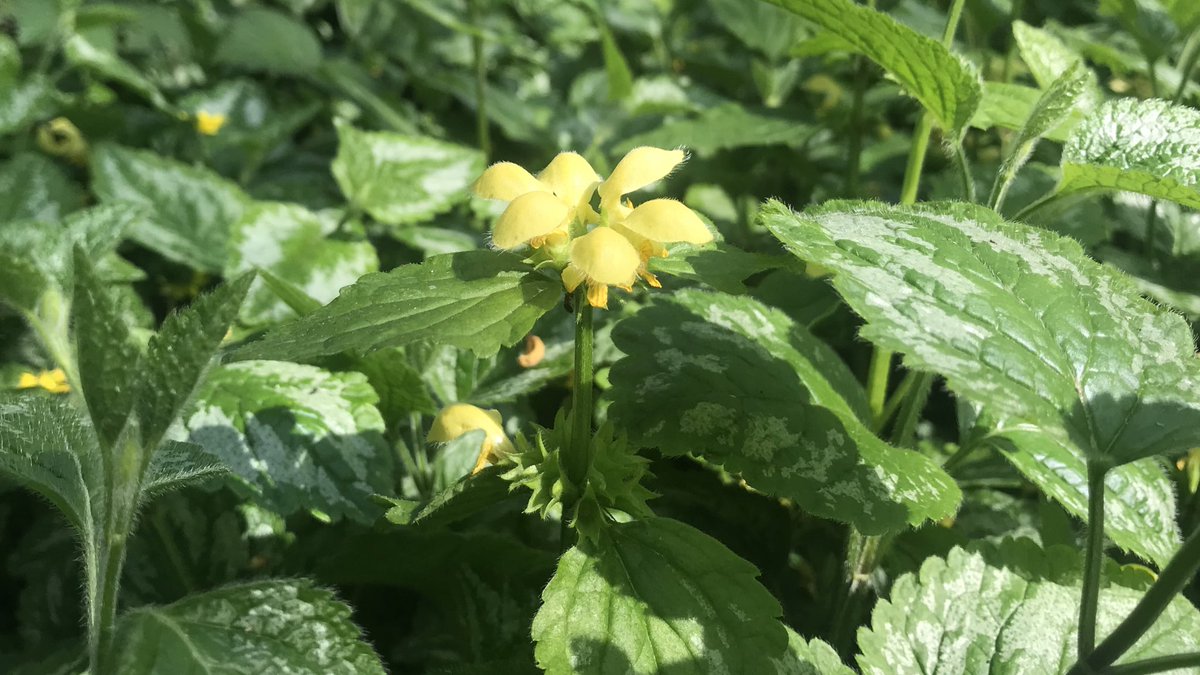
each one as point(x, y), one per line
point(540, 209)
point(554, 208)
point(209, 123)
point(460, 418)
point(53, 381)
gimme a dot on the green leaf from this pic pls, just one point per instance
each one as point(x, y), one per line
point(1009, 106)
point(191, 208)
point(692, 382)
point(761, 27)
point(805, 657)
point(107, 357)
point(296, 437)
point(177, 465)
point(264, 40)
point(25, 103)
point(297, 300)
point(1017, 319)
point(478, 300)
point(620, 78)
point(1151, 147)
point(721, 266)
point(1051, 110)
point(656, 596)
point(401, 179)
point(1005, 612)
point(1149, 23)
point(295, 627)
point(466, 497)
point(723, 127)
point(48, 447)
point(21, 282)
point(945, 84)
point(178, 357)
point(1139, 500)
point(82, 52)
point(32, 187)
point(295, 245)
point(1046, 56)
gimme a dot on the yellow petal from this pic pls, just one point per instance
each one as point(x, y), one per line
point(667, 220)
point(209, 123)
point(460, 418)
point(639, 168)
point(534, 214)
point(605, 257)
point(27, 381)
point(571, 278)
point(506, 181)
point(570, 177)
point(597, 295)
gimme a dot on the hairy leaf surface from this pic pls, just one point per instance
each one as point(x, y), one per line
point(1018, 320)
point(743, 385)
point(656, 596)
point(477, 300)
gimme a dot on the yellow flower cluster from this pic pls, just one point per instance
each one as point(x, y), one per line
point(208, 123)
point(553, 211)
point(53, 381)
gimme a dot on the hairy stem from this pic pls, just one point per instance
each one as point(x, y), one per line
point(1160, 664)
point(1171, 582)
point(482, 128)
point(578, 457)
point(123, 475)
point(1089, 599)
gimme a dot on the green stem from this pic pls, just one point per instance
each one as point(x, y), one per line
point(1159, 664)
point(1191, 53)
point(863, 553)
point(916, 160)
point(1174, 578)
point(578, 457)
point(483, 129)
point(123, 471)
point(1151, 228)
point(964, 173)
point(894, 401)
point(959, 456)
point(1007, 72)
point(877, 383)
point(854, 151)
point(1093, 562)
point(910, 413)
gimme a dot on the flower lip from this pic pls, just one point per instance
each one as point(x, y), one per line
point(506, 181)
point(570, 177)
point(532, 215)
point(603, 256)
point(638, 168)
point(667, 220)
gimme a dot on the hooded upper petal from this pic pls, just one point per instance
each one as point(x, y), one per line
point(605, 257)
point(533, 214)
point(460, 418)
point(570, 177)
point(667, 220)
point(506, 181)
point(640, 167)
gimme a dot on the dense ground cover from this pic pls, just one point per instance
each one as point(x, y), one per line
point(599, 336)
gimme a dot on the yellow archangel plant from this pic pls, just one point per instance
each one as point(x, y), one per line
point(552, 212)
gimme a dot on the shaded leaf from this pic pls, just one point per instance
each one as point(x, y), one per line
point(295, 437)
point(297, 628)
point(692, 381)
point(656, 596)
point(261, 39)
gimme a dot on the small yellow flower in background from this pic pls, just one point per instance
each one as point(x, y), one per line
point(61, 138)
point(209, 123)
point(53, 381)
point(460, 418)
point(553, 211)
